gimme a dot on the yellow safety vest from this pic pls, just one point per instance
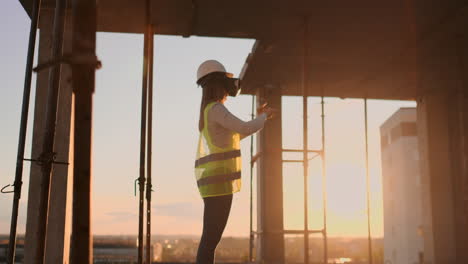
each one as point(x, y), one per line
point(217, 170)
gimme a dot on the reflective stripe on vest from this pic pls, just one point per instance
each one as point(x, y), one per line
point(217, 157)
point(217, 169)
point(219, 178)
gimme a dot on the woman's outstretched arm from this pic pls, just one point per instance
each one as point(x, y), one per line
point(221, 115)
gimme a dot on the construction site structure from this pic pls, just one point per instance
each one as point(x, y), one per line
point(400, 50)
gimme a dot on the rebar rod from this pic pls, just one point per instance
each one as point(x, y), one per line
point(83, 83)
point(150, 143)
point(369, 237)
point(47, 156)
point(324, 186)
point(305, 143)
point(251, 234)
point(23, 129)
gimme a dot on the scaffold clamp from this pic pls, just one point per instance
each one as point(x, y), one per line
point(70, 59)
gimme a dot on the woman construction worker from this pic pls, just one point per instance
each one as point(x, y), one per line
point(218, 161)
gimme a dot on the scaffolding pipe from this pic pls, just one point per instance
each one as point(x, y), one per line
point(305, 144)
point(47, 156)
point(369, 237)
point(301, 150)
point(23, 129)
point(144, 105)
point(83, 83)
point(251, 236)
point(150, 142)
point(290, 232)
point(324, 186)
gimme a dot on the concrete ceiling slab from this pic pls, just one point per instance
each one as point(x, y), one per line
point(360, 48)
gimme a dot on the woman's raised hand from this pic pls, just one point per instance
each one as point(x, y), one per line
point(270, 112)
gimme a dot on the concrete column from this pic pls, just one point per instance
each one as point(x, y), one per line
point(270, 247)
point(458, 125)
point(437, 183)
point(442, 129)
point(59, 224)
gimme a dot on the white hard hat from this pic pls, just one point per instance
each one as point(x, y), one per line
point(211, 66)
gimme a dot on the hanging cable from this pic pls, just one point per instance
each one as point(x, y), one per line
point(367, 183)
point(251, 236)
point(23, 128)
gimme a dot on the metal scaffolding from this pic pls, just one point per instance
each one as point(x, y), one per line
point(306, 231)
point(305, 161)
point(369, 237)
point(321, 152)
point(149, 184)
point(84, 63)
point(84, 40)
point(146, 140)
point(22, 133)
point(251, 233)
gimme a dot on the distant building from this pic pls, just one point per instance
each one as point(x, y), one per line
point(156, 252)
point(403, 241)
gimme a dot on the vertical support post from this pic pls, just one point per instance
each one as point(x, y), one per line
point(251, 234)
point(305, 142)
point(324, 186)
point(59, 212)
point(437, 178)
point(47, 156)
point(369, 237)
point(23, 128)
point(150, 144)
point(59, 216)
point(83, 81)
point(270, 182)
point(462, 125)
point(441, 137)
point(306, 182)
point(144, 107)
point(141, 178)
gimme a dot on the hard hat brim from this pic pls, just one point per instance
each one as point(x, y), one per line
point(228, 74)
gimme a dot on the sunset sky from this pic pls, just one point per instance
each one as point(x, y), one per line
point(177, 206)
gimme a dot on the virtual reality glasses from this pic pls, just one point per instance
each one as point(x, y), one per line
point(233, 87)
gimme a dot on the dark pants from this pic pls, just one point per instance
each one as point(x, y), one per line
point(215, 217)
